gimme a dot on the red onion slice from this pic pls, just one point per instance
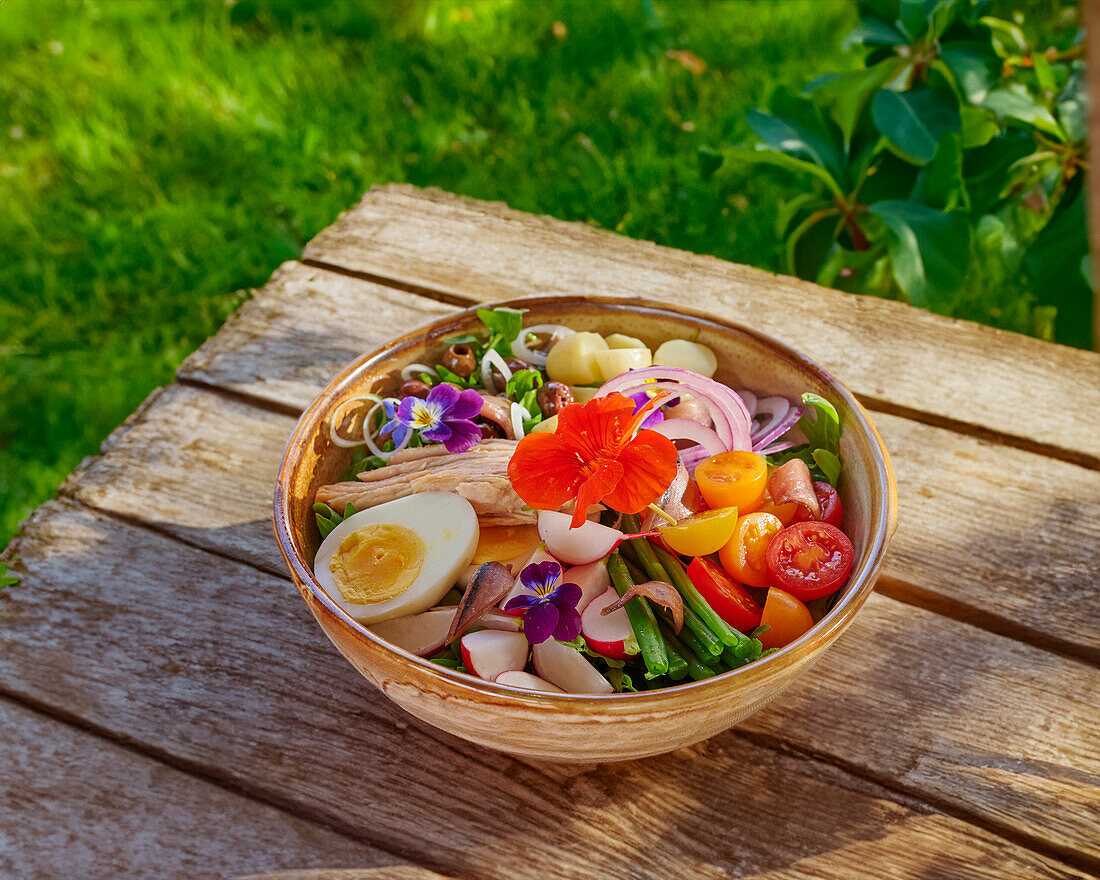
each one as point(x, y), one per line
point(777, 430)
point(776, 447)
point(774, 408)
point(707, 442)
point(750, 401)
point(727, 411)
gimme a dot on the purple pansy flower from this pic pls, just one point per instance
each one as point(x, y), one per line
point(443, 417)
point(641, 399)
point(549, 610)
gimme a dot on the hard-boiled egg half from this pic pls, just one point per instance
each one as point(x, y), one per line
point(398, 558)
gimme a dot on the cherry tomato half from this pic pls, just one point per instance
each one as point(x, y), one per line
point(745, 556)
point(733, 479)
point(832, 512)
point(728, 598)
point(701, 533)
point(786, 618)
point(787, 513)
point(810, 559)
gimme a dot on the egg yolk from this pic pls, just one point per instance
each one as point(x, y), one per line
point(501, 543)
point(377, 562)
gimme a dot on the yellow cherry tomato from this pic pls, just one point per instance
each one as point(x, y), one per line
point(702, 533)
point(733, 479)
point(745, 555)
point(786, 512)
point(786, 617)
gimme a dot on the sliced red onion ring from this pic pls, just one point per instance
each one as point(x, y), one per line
point(727, 411)
point(776, 447)
point(778, 428)
point(750, 401)
point(538, 358)
point(693, 457)
point(774, 408)
point(685, 429)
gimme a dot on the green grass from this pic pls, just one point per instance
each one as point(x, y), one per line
point(157, 156)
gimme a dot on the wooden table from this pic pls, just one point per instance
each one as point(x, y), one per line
point(170, 709)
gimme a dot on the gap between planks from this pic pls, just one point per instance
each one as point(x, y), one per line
point(906, 795)
point(62, 716)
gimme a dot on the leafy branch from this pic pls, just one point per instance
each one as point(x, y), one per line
point(946, 172)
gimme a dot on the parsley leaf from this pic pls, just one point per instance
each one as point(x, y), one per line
point(504, 326)
point(328, 519)
point(522, 382)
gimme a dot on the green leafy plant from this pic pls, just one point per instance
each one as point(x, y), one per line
point(947, 171)
point(7, 580)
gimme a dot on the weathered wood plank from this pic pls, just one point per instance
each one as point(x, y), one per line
point(962, 502)
point(75, 805)
point(283, 345)
point(398, 872)
point(126, 627)
point(890, 354)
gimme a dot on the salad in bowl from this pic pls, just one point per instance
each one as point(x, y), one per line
point(576, 511)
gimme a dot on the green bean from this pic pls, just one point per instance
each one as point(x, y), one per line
point(694, 599)
point(641, 617)
point(643, 551)
point(636, 574)
point(696, 669)
point(677, 665)
point(693, 643)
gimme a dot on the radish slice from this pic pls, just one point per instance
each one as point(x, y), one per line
point(608, 634)
point(490, 619)
point(420, 634)
point(487, 653)
point(567, 668)
point(592, 578)
point(586, 543)
point(527, 681)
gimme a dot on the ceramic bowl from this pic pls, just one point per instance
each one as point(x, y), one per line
point(565, 727)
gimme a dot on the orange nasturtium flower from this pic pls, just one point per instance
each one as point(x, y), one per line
point(594, 456)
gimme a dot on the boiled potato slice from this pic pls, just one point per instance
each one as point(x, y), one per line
point(571, 359)
point(618, 340)
point(686, 355)
point(583, 394)
point(619, 360)
point(547, 426)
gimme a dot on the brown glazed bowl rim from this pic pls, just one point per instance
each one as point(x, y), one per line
point(817, 637)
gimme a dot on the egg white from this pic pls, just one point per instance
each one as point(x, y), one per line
point(447, 525)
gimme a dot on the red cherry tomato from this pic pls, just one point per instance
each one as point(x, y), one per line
point(785, 617)
point(832, 512)
point(810, 559)
point(728, 598)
